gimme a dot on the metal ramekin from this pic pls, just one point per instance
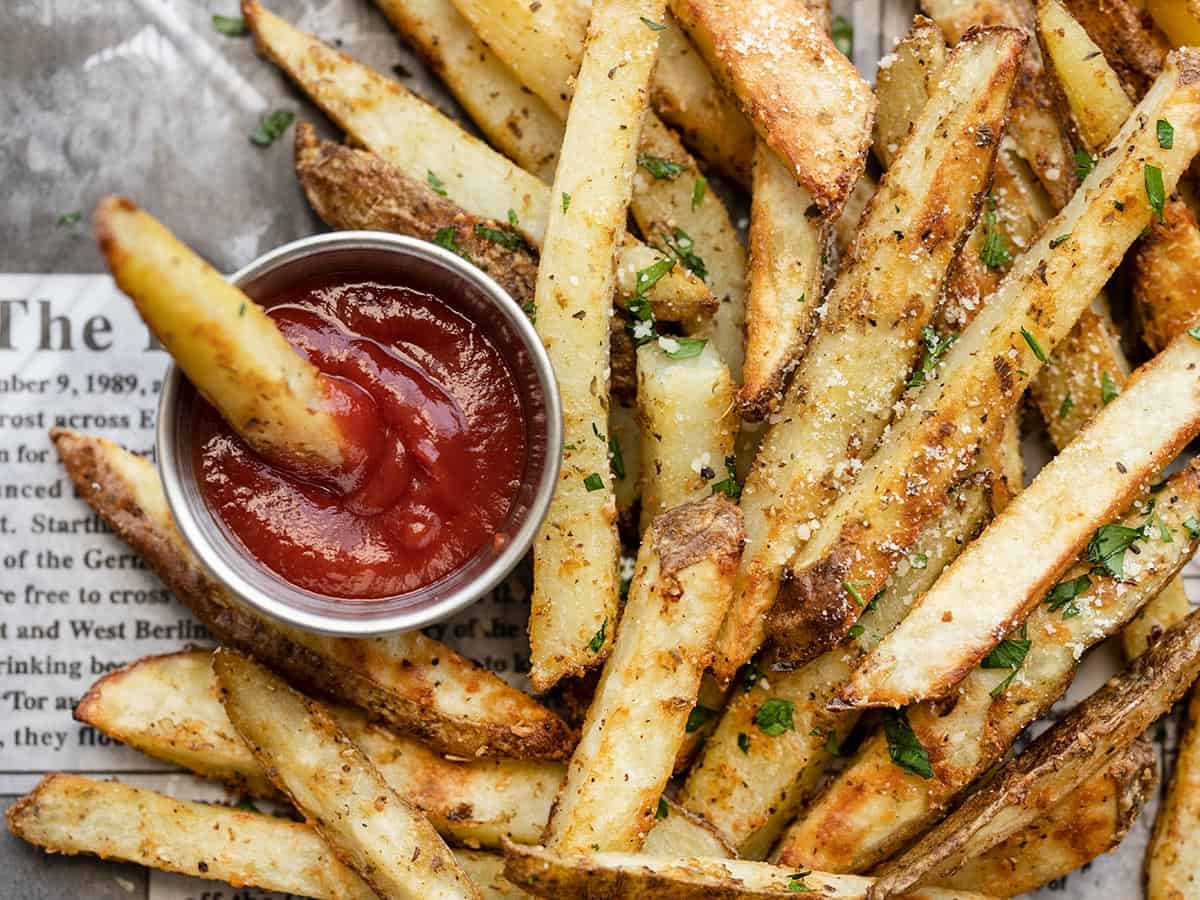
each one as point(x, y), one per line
point(375, 256)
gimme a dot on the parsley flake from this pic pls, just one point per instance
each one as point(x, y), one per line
point(743, 742)
point(1064, 594)
point(699, 189)
point(994, 253)
point(1059, 241)
point(566, 201)
point(594, 482)
point(509, 240)
point(652, 25)
point(935, 347)
point(699, 717)
point(843, 36)
point(685, 347)
point(795, 883)
point(1192, 525)
point(1108, 389)
point(1156, 192)
point(597, 640)
point(230, 26)
point(447, 239)
point(1064, 408)
point(662, 169)
point(681, 246)
point(663, 810)
point(1194, 332)
point(749, 675)
point(1034, 345)
point(856, 630)
point(1010, 653)
point(919, 560)
point(1166, 134)
point(439, 186)
point(852, 589)
point(904, 748)
point(1108, 545)
point(69, 220)
point(530, 310)
point(271, 127)
point(616, 458)
point(1084, 163)
point(775, 717)
point(729, 485)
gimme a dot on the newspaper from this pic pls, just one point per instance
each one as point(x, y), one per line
point(147, 99)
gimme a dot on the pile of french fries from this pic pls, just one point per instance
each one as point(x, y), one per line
point(841, 606)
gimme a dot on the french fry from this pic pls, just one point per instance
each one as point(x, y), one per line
point(748, 783)
point(671, 203)
point(1034, 128)
point(1165, 288)
point(576, 552)
point(903, 484)
point(71, 814)
point(787, 252)
point(1171, 856)
point(634, 876)
point(907, 77)
point(330, 780)
point(804, 98)
point(1180, 21)
point(846, 227)
point(612, 793)
point(1135, 51)
point(518, 124)
point(874, 807)
point(856, 365)
point(419, 685)
point(276, 400)
point(685, 408)
point(354, 189)
point(1089, 821)
point(687, 97)
point(1077, 747)
point(419, 141)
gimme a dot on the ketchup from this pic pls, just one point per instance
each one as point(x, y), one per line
point(432, 411)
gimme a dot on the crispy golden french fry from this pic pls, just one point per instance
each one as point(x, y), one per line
point(1180, 21)
point(671, 202)
point(1087, 822)
point(984, 373)
point(1166, 288)
point(687, 97)
point(416, 684)
point(749, 782)
point(353, 189)
point(521, 126)
point(426, 145)
point(1078, 746)
point(1132, 440)
point(685, 408)
point(71, 814)
point(635, 725)
point(787, 252)
point(1172, 854)
point(871, 333)
point(226, 344)
point(874, 807)
point(331, 781)
point(1133, 47)
point(576, 552)
point(1037, 134)
point(804, 98)
point(907, 77)
point(167, 707)
point(634, 876)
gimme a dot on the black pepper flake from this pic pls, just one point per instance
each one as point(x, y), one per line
point(202, 866)
point(707, 473)
point(1121, 467)
point(1041, 271)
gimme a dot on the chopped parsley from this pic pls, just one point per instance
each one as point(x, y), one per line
point(994, 252)
point(775, 717)
point(597, 640)
point(616, 458)
point(242, 311)
point(512, 219)
point(685, 347)
point(1084, 163)
point(1059, 241)
point(662, 169)
point(1108, 545)
point(447, 239)
point(594, 482)
point(1166, 134)
point(699, 717)
point(1010, 653)
point(743, 742)
point(935, 347)
point(509, 240)
point(795, 883)
point(663, 810)
point(642, 325)
point(1034, 345)
point(530, 309)
point(69, 220)
point(843, 36)
point(852, 589)
point(230, 26)
point(1192, 525)
point(566, 201)
point(699, 189)
point(439, 186)
point(729, 484)
point(1156, 192)
point(653, 26)
point(681, 246)
point(1064, 594)
point(271, 127)
point(749, 675)
point(1193, 332)
point(1108, 389)
point(919, 560)
point(904, 748)
point(1064, 408)
point(856, 630)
